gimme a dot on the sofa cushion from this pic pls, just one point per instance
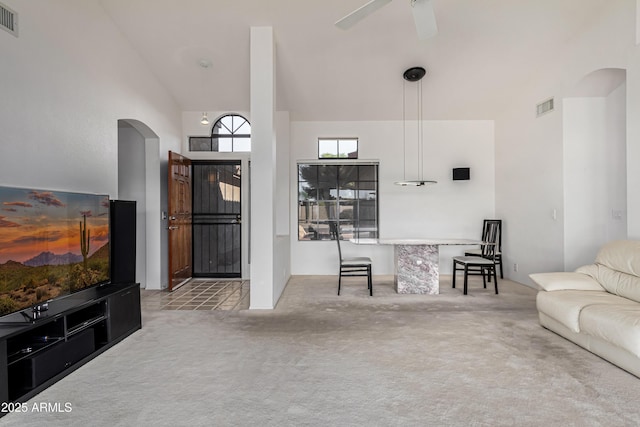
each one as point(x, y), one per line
point(621, 255)
point(566, 281)
point(565, 306)
point(617, 324)
point(615, 282)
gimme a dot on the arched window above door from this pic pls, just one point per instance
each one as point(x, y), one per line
point(230, 133)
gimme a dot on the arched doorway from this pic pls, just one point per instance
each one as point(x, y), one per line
point(139, 179)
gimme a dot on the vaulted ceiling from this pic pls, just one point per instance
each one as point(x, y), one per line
point(483, 52)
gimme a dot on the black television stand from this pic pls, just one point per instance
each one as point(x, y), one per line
point(35, 353)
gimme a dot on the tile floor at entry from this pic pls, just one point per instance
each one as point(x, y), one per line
point(202, 294)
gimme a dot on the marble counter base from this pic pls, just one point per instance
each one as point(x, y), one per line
point(416, 269)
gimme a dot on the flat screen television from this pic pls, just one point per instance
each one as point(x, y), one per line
point(52, 243)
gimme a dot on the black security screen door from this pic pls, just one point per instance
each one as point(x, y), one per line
point(216, 219)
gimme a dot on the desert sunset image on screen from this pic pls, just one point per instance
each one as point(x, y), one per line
point(52, 243)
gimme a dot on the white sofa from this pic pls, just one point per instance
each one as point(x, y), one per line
point(598, 305)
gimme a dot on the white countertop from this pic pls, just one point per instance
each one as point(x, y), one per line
point(418, 241)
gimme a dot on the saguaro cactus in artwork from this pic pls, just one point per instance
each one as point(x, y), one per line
point(85, 235)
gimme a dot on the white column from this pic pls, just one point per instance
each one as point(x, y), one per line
point(263, 167)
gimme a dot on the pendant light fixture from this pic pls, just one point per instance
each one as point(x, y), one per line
point(414, 75)
point(204, 64)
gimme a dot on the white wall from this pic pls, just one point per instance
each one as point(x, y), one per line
point(282, 249)
point(64, 89)
point(594, 175)
point(529, 150)
point(447, 209)
point(616, 161)
point(633, 144)
point(584, 179)
point(283, 188)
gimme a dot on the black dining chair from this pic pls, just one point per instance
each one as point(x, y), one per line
point(485, 264)
point(354, 266)
point(498, 252)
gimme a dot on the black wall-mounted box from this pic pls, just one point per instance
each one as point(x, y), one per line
point(461, 174)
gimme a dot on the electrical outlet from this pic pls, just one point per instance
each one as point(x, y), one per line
point(515, 266)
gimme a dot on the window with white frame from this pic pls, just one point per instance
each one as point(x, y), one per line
point(230, 133)
point(337, 148)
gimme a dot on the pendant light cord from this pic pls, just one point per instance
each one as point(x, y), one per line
point(413, 75)
point(404, 131)
point(419, 128)
point(418, 170)
point(420, 132)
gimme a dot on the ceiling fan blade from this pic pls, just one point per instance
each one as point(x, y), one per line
point(359, 14)
point(425, 18)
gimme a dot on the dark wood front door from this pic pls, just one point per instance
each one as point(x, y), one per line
point(180, 217)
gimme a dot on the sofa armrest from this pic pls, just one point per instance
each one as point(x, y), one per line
point(566, 281)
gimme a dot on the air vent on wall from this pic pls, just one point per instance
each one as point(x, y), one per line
point(8, 20)
point(544, 107)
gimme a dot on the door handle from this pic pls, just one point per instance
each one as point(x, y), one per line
point(173, 227)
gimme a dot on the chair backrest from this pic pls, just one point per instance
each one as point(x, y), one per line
point(491, 235)
point(494, 225)
point(335, 234)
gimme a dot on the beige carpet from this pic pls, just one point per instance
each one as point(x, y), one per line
point(353, 360)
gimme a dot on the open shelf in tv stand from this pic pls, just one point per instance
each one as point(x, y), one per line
point(75, 329)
